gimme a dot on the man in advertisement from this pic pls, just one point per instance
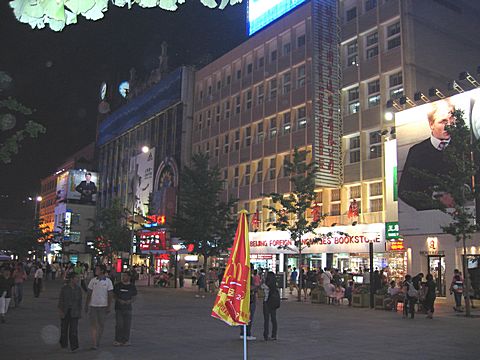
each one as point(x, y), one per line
point(416, 187)
point(86, 189)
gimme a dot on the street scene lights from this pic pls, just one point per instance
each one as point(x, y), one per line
point(176, 247)
point(37, 200)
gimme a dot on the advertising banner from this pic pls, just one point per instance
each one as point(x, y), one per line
point(82, 187)
point(421, 139)
point(62, 184)
point(141, 168)
point(340, 239)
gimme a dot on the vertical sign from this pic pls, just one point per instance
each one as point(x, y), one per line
point(141, 166)
point(326, 93)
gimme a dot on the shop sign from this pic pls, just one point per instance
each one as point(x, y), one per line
point(392, 230)
point(261, 257)
point(426, 253)
point(339, 239)
point(397, 246)
point(432, 243)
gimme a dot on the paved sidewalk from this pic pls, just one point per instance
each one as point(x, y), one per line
point(173, 324)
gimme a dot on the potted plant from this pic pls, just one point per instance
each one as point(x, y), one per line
point(361, 296)
point(379, 297)
point(318, 295)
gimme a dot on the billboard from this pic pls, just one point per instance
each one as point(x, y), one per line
point(82, 187)
point(263, 12)
point(61, 190)
point(141, 180)
point(421, 139)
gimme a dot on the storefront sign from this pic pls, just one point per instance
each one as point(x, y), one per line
point(339, 239)
point(392, 231)
point(432, 243)
point(426, 253)
point(397, 246)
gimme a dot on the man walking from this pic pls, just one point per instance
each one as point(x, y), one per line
point(19, 277)
point(125, 293)
point(99, 299)
point(70, 309)
point(37, 281)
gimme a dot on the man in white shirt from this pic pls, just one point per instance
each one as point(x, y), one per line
point(37, 281)
point(99, 299)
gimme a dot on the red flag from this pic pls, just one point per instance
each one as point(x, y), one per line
point(353, 209)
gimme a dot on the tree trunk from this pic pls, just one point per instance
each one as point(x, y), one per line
point(300, 275)
point(466, 280)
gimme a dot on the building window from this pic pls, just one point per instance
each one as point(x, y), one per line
point(239, 74)
point(217, 114)
point(286, 161)
point(237, 104)
point(375, 194)
point(236, 173)
point(273, 88)
point(335, 209)
point(209, 91)
point(273, 56)
point(237, 140)
point(248, 101)
point(286, 123)
point(393, 36)
point(226, 107)
point(395, 82)
point(260, 91)
point(351, 14)
point(301, 41)
point(301, 117)
point(209, 117)
point(286, 49)
point(376, 189)
point(301, 76)
point(353, 146)
point(272, 171)
point(217, 145)
point(376, 205)
point(355, 192)
point(248, 136)
point(352, 53)
point(226, 144)
point(375, 144)
point(286, 83)
point(353, 102)
point(207, 148)
point(273, 127)
point(229, 79)
point(219, 85)
point(260, 171)
point(249, 68)
point(335, 195)
point(260, 133)
point(373, 93)
point(261, 62)
point(370, 4)
point(371, 45)
point(247, 175)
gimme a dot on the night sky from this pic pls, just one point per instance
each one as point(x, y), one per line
point(59, 75)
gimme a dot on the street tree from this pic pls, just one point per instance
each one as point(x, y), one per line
point(202, 219)
point(291, 210)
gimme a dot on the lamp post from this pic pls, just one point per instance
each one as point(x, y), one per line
point(145, 149)
point(176, 247)
point(37, 200)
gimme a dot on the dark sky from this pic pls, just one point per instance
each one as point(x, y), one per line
point(59, 74)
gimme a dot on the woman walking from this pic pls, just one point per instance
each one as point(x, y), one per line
point(431, 289)
point(271, 302)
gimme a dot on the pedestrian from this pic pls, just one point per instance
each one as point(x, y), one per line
point(201, 283)
point(70, 309)
point(99, 299)
point(271, 302)
point(124, 293)
point(54, 270)
point(430, 295)
point(37, 281)
point(19, 277)
point(411, 296)
point(293, 280)
point(181, 278)
point(456, 287)
point(6, 286)
point(253, 306)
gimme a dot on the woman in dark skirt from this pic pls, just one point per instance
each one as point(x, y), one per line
point(431, 289)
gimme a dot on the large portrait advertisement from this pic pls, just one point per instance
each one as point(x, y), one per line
point(61, 190)
point(141, 170)
point(82, 187)
point(165, 192)
point(421, 139)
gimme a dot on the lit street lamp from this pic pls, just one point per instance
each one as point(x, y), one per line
point(37, 200)
point(176, 247)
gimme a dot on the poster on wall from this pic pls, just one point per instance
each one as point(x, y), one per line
point(61, 190)
point(421, 139)
point(165, 194)
point(82, 187)
point(141, 166)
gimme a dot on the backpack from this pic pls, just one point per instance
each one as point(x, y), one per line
point(273, 301)
point(412, 292)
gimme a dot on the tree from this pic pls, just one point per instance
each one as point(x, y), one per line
point(110, 230)
point(291, 209)
point(459, 185)
point(202, 219)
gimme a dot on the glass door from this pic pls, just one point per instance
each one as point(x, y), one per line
point(436, 267)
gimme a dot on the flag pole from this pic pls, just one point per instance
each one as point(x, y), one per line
point(244, 342)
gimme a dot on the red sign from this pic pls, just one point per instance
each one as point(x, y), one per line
point(158, 219)
point(397, 246)
point(153, 240)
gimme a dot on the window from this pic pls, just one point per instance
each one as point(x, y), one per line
point(248, 136)
point(353, 148)
point(219, 85)
point(376, 205)
point(217, 114)
point(200, 122)
point(353, 102)
point(355, 192)
point(237, 140)
point(375, 192)
point(351, 14)
point(375, 189)
point(301, 76)
point(226, 107)
point(286, 49)
point(335, 195)
point(286, 83)
point(286, 123)
point(395, 82)
point(237, 104)
point(260, 133)
point(352, 53)
point(217, 145)
point(260, 171)
point(273, 88)
point(207, 148)
point(370, 4)
point(246, 179)
point(375, 144)
point(209, 90)
point(249, 68)
point(393, 36)
point(261, 62)
point(239, 74)
point(371, 45)
point(301, 40)
point(335, 209)
point(286, 161)
point(226, 144)
point(236, 173)
point(301, 117)
point(273, 127)
point(373, 93)
point(260, 91)
point(272, 171)
point(209, 117)
point(229, 79)
point(248, 100)
point(273, 56)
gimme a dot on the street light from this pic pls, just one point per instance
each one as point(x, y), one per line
point(37, 200)
point(176, 247)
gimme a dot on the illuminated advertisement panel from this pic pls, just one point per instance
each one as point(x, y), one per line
point(141, 168)
point(82, 187)
point(421, 140)
point(263, 12)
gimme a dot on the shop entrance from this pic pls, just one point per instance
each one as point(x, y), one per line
point(436, 267)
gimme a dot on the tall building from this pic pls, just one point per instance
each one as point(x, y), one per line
point(319, 78)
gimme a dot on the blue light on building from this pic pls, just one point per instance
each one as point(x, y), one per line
point(263, 12)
